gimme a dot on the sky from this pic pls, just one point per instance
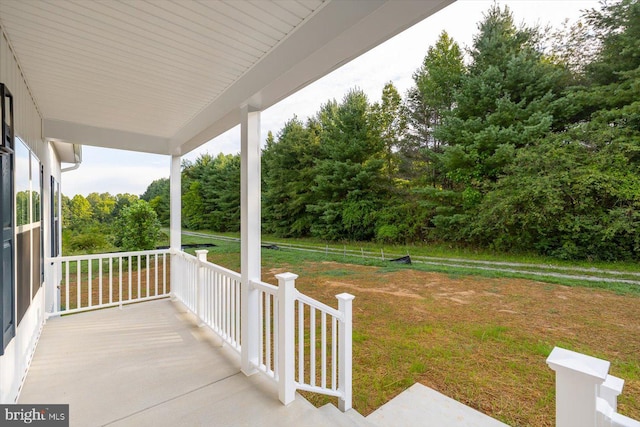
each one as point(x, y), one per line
point(116, 171)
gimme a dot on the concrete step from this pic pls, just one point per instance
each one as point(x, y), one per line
point(420, 406)
point(351, 418)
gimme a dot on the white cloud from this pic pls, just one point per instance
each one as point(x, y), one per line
point(114, 171)
point(111, 179)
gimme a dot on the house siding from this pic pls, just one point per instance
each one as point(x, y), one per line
point(28, 126)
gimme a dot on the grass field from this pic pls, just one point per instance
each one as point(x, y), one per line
point(480, 339)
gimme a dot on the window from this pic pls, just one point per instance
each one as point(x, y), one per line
point(28, 240)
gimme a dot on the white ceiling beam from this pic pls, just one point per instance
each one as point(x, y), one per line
point(75, 133)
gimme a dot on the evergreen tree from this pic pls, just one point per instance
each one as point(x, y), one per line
point(193, 213)
point(390, 119)
point(157, 195)
point(506, 101)
point(433, 96)
point(617, 27)
point(348, 189)
point(221, 193)
point(577, 193)
point(288, 169)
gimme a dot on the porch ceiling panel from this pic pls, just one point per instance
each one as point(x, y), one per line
point(172, 74)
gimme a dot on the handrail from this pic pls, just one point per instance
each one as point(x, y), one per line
point(222, 270)
point(289, 321)
point(319, 306)
point(107, 280)
point(106, 255)
point(266, 287)
point(211, 293)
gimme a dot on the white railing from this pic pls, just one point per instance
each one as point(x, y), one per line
point(211, 293)
point(586, 395)
point(305, 344)
point(296, 332)
point(89, 282)
point(269, 327)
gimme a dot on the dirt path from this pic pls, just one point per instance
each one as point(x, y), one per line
point(537, 270)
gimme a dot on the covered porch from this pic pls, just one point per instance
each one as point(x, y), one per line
point(151, 364)
point(295, 342)
point(165, 78)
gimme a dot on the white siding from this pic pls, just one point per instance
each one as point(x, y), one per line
point(28, 126)
point(28, 122)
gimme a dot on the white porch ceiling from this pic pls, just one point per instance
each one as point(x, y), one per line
point(165, 76)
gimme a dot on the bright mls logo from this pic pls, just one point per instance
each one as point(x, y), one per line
point(34, 415)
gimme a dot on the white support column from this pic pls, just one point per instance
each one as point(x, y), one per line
point(250, 231)
point(577, 380)
point(175, 191)
point(175, 222)
point(345, 350)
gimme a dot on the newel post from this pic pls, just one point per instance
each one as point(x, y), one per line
point(610, 389)
point(202, 257)
point(345, 302)
point(286, 336)
point(578, 378)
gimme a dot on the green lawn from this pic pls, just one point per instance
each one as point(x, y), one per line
point(479, 337)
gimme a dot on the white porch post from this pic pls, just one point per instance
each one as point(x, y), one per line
point(175, 222)
point(249, 235)
point(578, 377)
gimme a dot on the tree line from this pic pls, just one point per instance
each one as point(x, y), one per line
point(103, 222)
point(529, 142)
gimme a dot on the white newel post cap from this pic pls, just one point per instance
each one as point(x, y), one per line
point(561, 359)
point(345, 297)
point(202, 254)
point(287, 277)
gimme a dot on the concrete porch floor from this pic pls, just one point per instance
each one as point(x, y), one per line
point(149, 364)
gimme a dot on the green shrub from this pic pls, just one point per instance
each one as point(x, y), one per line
point(137, 227)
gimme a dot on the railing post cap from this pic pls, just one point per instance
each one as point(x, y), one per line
point(567, 360)
point(201, 254)
point(286, 276)
point(614, 384)
point(345, 296)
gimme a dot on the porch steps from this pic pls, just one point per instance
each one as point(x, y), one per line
point(421, 406)
point(351, 418)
